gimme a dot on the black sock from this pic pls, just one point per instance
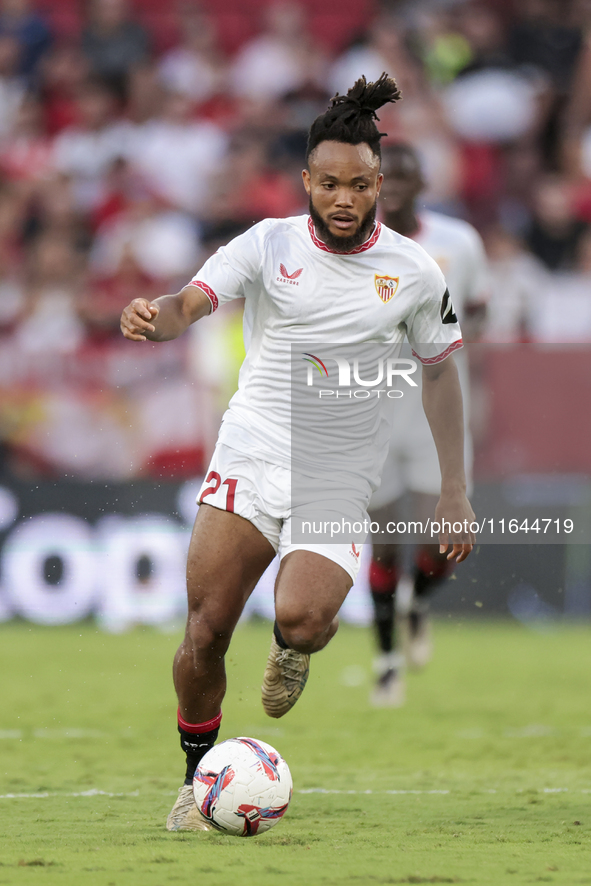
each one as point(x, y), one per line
point(280, 641)
point(425, 583)
point(195, 746)
point(383, 605)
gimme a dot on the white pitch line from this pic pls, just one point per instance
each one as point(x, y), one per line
point(331, 791)
point(94, 792)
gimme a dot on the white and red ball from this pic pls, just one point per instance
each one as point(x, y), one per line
point(243, 786)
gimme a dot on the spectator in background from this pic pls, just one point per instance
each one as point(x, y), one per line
point(384, 48)
point(13, 209)
point(55, 211)
point(281, 59)
point(249, 190)
point(548, 38)
point(26, 154)
point(113, 42)
point(576, 118)
point(483, 31)
point(12, 296)
point(545, 37)
point(178, 155)
point(29, 29)
point(107, 290)
point(161, 242)
point(440, 43)
point(62, 75)
point(563, 308)
point(554, 232)
point(12, 85)
point(51, 322)
point(517, 280)
point(195, 67)
point(145, 94)
point(86, 150)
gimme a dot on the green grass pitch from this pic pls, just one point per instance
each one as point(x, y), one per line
point(483, 778)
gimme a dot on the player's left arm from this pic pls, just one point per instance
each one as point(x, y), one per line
point(442, 402)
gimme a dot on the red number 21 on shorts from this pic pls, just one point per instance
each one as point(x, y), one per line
point(217, 482)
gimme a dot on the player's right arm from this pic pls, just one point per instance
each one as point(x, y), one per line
point(166, 317)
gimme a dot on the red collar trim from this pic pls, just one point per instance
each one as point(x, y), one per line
point(364, 246)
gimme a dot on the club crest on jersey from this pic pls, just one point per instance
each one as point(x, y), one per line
point(288, 278)
point(447, 309)
point(386, 286)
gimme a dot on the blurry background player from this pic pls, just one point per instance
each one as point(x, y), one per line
point(412, 467)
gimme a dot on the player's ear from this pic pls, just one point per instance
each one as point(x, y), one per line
point(379, 184)
point(306, 180)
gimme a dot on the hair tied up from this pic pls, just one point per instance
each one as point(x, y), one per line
point(364, 97)
point(351, 118)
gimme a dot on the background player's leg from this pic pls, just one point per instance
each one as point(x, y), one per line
point(430, 569)
point(309, 592)
point(384, 573)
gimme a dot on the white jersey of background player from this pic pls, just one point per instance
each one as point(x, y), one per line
point(412, 465)
point(302, 281)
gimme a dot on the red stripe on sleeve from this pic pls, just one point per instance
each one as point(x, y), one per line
point(429, 361)
point(208, 291)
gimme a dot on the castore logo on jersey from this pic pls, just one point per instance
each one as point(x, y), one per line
point(288, 278)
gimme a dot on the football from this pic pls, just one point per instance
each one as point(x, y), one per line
point(243, 786)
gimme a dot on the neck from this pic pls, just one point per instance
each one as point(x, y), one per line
point(404, 221)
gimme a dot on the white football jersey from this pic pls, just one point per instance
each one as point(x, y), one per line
point(459, 251)
point(297, 290)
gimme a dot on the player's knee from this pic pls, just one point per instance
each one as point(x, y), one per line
point(208, 633)
point(307, 633)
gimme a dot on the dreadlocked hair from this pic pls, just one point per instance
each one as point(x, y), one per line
point(351, 118)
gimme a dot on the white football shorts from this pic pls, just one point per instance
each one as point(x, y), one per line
point(260, 492)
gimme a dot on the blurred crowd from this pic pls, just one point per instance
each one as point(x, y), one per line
point(127, 156)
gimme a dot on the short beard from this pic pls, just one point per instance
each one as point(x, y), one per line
point(344, 244)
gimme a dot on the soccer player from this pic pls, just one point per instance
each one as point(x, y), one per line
point(304, 278)
point(400, 619)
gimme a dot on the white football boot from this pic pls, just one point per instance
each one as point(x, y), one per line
point(184, 815)
point(390, 687)
point(285, 677)
point(416, 637)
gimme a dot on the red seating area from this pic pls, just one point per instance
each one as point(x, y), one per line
point(334, 23)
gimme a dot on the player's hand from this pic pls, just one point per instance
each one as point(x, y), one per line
point(455, 515)
point(136, 319)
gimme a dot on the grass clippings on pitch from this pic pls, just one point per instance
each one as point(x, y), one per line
point(483, 778)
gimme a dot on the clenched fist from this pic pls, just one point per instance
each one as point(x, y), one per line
point(136, 319)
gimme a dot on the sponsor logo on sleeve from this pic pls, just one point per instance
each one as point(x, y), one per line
point(447, 309)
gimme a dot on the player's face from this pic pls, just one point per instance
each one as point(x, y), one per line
point(402, 182)
point(343, 182)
